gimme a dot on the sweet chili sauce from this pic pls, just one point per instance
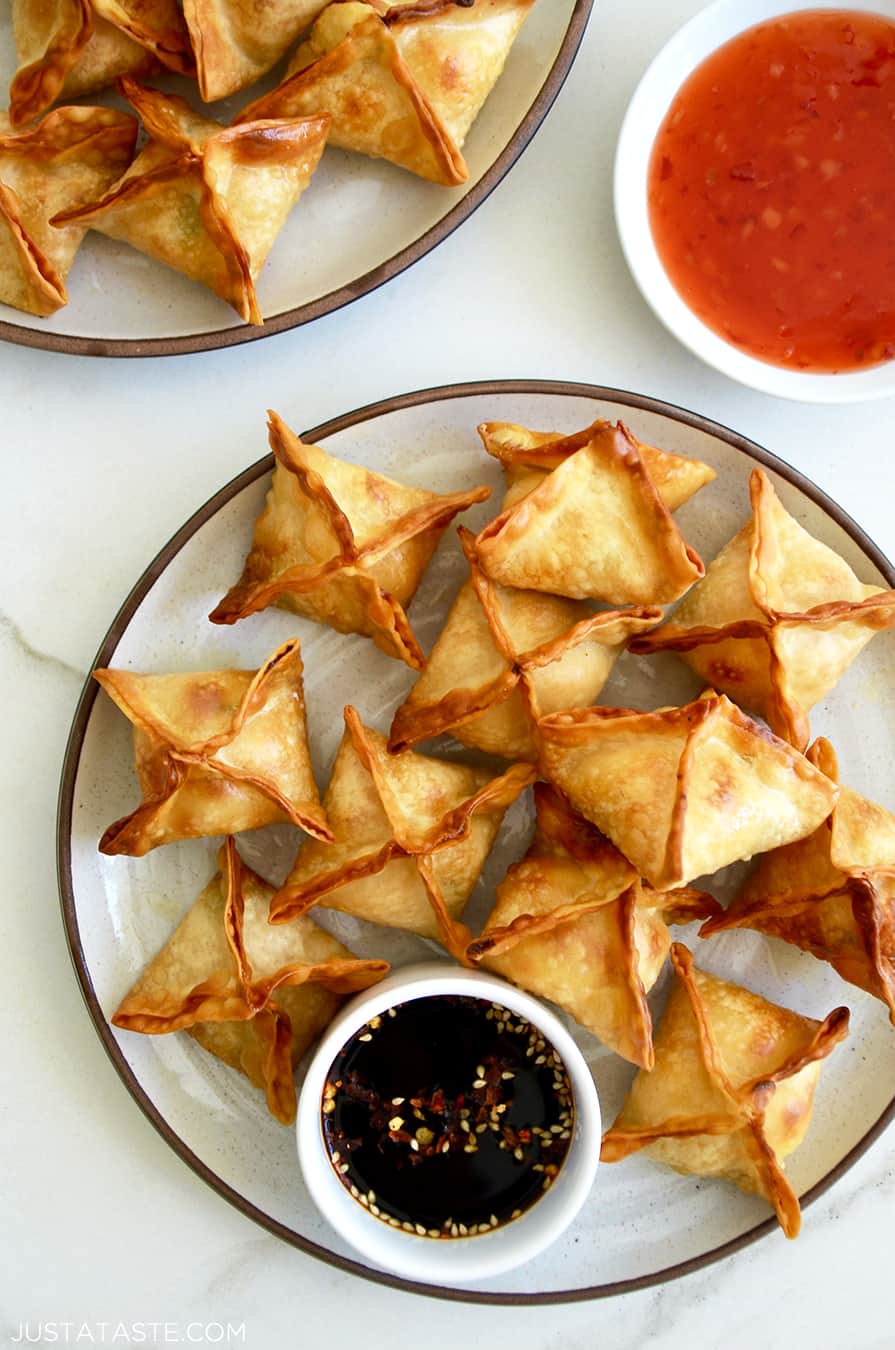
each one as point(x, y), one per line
point(772, 190)
point(447, 1116)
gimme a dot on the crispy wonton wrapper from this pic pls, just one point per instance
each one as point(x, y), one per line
point(253, 995)
point(732, 1090)
point(411, 837)
point(342, 545)
point(595, 527)
point(573, 923)
point(528, 457)
point(505, 658)
point(216, 753)
point(777, 620)
point(832, 894)
point(233, 49)
point(68, 48)
point(684, 791)
point(402, 82)
point(71, 156)
point(204, 199)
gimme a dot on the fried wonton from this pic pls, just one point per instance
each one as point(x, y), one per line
point(595, 528)
point(342, 545)
point(684, 791)
point(216, 753)
point(233, 49)
point(573, 923)
point(403, 83)
point(68, 48)
point(832, 894)
point(411, 835)
point(528, 457)
point(71, 156)
point(205, 199)
point(505, 658)
point(732, 1090)
point(253, 995)
point(777, 620)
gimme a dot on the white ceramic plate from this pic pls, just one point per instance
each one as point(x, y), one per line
point(690, 46)
point(360, 223)
point(642, 1223)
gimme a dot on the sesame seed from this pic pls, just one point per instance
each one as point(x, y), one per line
point(493, 1221)
point(374, 1209)
point(518, 1154)
point(541, 1059)
point(455, 1231)
point(433, 1232)
point(343, 1168)
point(366, 1037)
point(397, 1101)
point(396, 1122)
point(392, 1012)
point(415, 1146)
point(507, 1076)
point(355, 1192)
point(364, 1201)
point(471, 1148)
point(545, 1185)
point(479, 1083)
point(463, 1229)
point(335, 1157)
point(375, 1023)
point(420, 1229)
point(480, 1129)
point(408, 1227)
point(516, 1214)
point(464, 1126)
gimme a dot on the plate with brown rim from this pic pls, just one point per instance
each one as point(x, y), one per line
point(643, 1224)
point(360, 223)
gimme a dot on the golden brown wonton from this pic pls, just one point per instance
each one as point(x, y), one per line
point(595, 527)
point(732, 1090)
point(67, 48)
point(236, 42)
point(342, 545)
point(684, 791)
point(505, 658)
point(573, 923)
point(411, 835)
point(832, 894)
point(402, 82)
point(216, 753)
point(777, 620)
point(253, 995)
point(528, 456)
point(73, 154)
point(204, 199)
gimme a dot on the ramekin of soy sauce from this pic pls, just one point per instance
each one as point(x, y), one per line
point(448, 1125)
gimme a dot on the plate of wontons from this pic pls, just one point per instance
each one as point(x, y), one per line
point(174, 180)
point(554, 680)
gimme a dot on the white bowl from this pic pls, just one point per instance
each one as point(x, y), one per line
point(453, 1261)
point(646, 111)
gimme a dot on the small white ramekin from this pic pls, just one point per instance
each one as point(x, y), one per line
point(687, 49)
point(448, 1261)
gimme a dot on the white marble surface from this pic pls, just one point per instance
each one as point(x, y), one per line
point(103, 460)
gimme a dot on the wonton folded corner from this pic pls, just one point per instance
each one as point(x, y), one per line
point(777, 620)
point(684, 791)
point(402, 82)
point(831, 894)
point(206, 199)
point(216, 752)
point(732, 1090)
point(595, 526)
point(73, 154)
point(341, 545)
point(574, 923)
point(411, 835)
point(253, 995)
point(505, 658)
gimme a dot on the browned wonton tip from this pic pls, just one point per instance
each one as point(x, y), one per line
point(341, 545)
point(684, 791)
point(68, 48)
point(573, 923)
point(190, 199)
point(431, 822)
point(485, 681)
point(831, 894)
point(216, 752)
point(732, 1089)
point(777, 620)
point(594, 527)
point(224, 980)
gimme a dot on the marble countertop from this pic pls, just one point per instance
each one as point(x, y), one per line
point(103, 461)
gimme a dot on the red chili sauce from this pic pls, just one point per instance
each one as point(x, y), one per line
point(772, 190)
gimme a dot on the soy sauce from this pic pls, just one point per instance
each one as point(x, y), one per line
point(447, 1116)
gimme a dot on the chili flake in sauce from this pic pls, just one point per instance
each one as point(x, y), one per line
point(447, 1116)
point(772, 190)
